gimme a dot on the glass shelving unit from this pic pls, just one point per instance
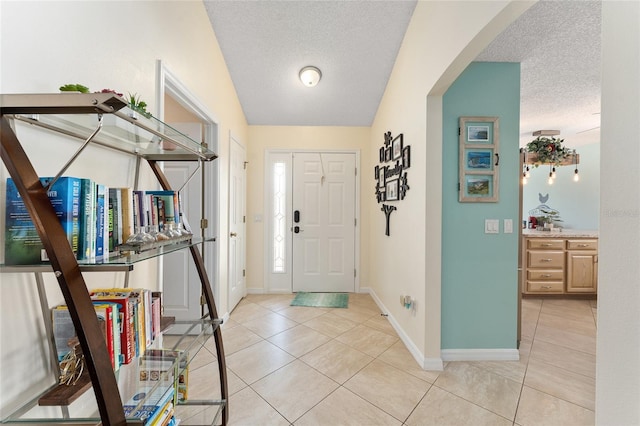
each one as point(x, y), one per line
point(105, 119)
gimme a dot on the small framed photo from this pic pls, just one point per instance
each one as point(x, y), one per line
point(477, 133)
point(382, 155)
point(381, 177)
point(477, 159)
point(392, 190)
point(387, 155)
point(397, 147)
point(406, 157)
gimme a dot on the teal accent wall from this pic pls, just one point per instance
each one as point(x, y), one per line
point(479, 271)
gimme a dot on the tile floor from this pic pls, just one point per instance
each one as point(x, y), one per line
point(314, 366)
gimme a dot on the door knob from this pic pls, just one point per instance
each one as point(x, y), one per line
point(233, 234)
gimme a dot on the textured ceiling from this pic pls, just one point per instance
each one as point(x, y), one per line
point(558, 46)
point(266, 43)
point(355, 44)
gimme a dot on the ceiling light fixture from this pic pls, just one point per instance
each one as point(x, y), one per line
point(310, 76)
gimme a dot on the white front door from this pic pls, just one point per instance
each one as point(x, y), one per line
point(324, 222)
point(237, 219)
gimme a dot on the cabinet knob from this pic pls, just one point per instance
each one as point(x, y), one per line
point(546, 287)
point(545, 275)
point(233, 234)
point(583, 245)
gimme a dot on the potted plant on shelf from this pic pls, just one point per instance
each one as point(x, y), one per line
point(74, 88)
point(138, 105)
point(549, 150)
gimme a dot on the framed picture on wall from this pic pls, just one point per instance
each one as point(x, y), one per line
point(478, 159)
point(392, 190)
point(397, 147)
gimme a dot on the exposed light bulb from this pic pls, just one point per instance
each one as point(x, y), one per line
point(524, 178)
point(576, 176)
point(550, 181)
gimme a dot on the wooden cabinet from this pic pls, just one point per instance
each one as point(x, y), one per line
point(559, 265)
point(582, 266)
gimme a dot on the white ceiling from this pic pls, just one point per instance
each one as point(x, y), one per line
point(355, 44)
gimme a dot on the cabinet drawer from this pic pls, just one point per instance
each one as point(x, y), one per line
point(545, 286)
point(545, 244)
point(582, 244)
point(544, 275)
point(545, 259)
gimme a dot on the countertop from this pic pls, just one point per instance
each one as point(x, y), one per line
point(564, 233)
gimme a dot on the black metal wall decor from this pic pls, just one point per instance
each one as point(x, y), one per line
point(390, 175)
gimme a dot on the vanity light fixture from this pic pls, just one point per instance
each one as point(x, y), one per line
point(310, 76)
point(576, 176)
point(551, 176)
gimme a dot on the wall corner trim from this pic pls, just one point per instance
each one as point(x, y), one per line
point(480, 355)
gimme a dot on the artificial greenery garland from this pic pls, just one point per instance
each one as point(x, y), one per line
point(549, 150)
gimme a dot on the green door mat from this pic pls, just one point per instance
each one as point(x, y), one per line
point(321, 300)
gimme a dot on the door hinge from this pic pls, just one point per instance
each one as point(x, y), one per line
point(355, 222)
point(354, 273)
point(356, 171)
point(244, 219)
point(459, 131)
point(244, 165)
point(244, 273)
point(204, 223)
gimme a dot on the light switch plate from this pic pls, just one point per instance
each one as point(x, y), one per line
point(508, 226)
point(491, 226)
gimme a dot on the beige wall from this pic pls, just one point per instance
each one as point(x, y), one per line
point(263, 138)
point(442, 38)
point(112, 45)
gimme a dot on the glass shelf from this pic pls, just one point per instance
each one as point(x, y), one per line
point(117, 261)
point(123, 129)
point(160, 368)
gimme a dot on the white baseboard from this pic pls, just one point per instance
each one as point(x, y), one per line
point(433, 364)
point(480, 354)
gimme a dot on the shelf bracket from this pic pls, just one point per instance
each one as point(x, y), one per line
point(76, 155)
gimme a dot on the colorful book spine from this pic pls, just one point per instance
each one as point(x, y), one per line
point(127, 318)
point(22, 242)
point(105, 313)
point(87, 218)
point(101, 219)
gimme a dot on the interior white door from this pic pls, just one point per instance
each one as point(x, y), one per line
point(324, 222)
point(237, 219)
point(181, 298)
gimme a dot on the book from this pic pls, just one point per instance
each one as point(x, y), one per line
point(167, 199)
point(114, 218)
point(87, 219)
point(63, 330)
point(22, 242)
point(127, 213)
point(126, 316)
point(101, 220)
point(105, 313)
point(147, 402)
